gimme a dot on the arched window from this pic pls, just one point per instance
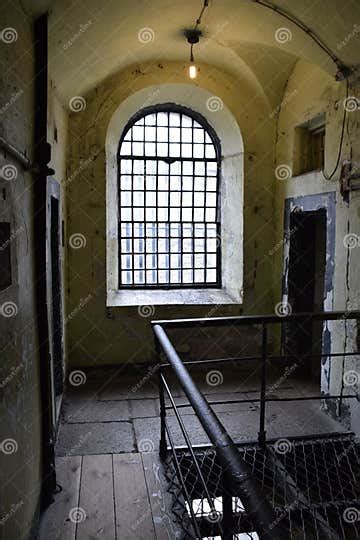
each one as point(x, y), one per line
point(169, 208)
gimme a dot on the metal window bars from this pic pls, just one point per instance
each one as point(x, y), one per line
point(230, 491)
point(169, 219)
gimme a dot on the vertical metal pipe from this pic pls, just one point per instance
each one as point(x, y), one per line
point(227, 521)
point(262, 432)
point(163, 444)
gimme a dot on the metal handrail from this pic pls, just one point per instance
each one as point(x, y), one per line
point(236, 470)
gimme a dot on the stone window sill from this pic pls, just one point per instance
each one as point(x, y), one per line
point(141, 297)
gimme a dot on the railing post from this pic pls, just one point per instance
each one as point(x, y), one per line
point(228, 521)
point(163, 444)
point(262, 431)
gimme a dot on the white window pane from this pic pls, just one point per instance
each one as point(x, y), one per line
point(199, 245)
point(151, 229)
point(211, 184)
point(126, 261)
point(175, 261)
point(188, 168)
point(163, 230)
point(175, 198)
point(187, 276)
point(163, 245)
point(150, 119)
point(125, 198)
point(174, 134)
point(187, 261)
point(198, 198)
point(175, 214)
point(138, 214)
point(211, 230)
point(125, 166)
point(198, 151)
point(211, 199)
point(162, 134)
point(187, 198)
point(163, 199)
point(125, 149)
point(211, 244)
point(162, 149)
point(175, 245)
point(151, 261)
point(163, 168)
point(199, 183)
point(128, 135)
point(186, 150)
point(163, 261)
point(175, 150)
point(163, 214)
point(199, 261)
point(126, 278)
point(150, 198)
point(199, 168)
point(199, 276)
point(175, 276)
point(151, 277)
point(199, 136)
point(151, 167)
point(186, 135)
point(187, 230)
point(186, 121)
point(126, 214)
point(138, 166)
point(138, 133)
point(139, 277)
point(174, 119)
point(187, 245)
point(175, 183)
point(212, 168)
point(210, 214)
point(138, 149)
point(175, 168)
point(200, 230)
point(199, 214)
point(187, 184)
point(150, 182)
point(150, 214)
point(138, 197)
point(163, 182)
point(163, 276)
point(150, 149)
point(210, 275)
point(187, 214)
point(211, 260)
point(162, 118)
point(139, 245)
point(151, 245)
point(138, 182)
point(125, 182)
point(210, 151)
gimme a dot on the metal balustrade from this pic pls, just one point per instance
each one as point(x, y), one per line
point(255, 489)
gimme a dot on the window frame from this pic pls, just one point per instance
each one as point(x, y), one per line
point(173, 107)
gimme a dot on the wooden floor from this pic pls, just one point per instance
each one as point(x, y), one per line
point(110, 496)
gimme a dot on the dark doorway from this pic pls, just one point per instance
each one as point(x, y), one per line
point(306, 280)
point(56, 305)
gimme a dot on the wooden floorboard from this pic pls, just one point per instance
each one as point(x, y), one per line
point(133, 509)
point(97, 499)
point(56, 523)
point(160, 498)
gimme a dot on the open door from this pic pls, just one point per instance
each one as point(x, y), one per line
point(54, 249)
point(306, 278)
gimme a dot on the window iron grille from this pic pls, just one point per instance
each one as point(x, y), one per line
point(169, 213)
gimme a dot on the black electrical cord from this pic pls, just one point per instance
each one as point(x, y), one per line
point(198, 20)
point(344, 69)
point(326, 176)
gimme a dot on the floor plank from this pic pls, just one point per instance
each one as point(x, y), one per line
point(133, 510)
point(97, 499)
point(56, 522)
point(160, 499)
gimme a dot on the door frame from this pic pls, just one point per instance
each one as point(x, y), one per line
point(311, 203)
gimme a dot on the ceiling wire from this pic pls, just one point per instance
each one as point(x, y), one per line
point(198, 20)
point(344, 69)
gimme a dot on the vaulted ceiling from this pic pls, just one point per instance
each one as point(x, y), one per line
point(90, 40)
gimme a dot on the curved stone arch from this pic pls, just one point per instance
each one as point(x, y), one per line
point(232, 179)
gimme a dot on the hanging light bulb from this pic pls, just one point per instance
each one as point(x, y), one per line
point(192, 37)
point(192, 67)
